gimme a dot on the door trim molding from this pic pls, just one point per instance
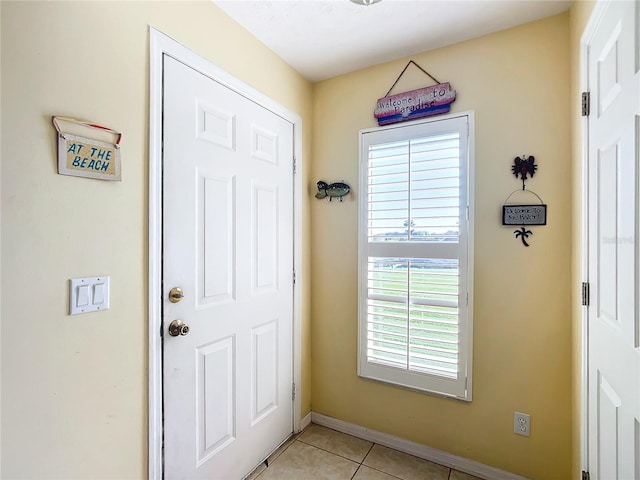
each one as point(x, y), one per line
point(161, 44)
point(585, 40)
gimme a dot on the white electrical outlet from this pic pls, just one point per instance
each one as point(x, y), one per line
point(521, 424)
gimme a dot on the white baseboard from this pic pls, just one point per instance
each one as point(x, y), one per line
point(422, 451)
point(305, 422)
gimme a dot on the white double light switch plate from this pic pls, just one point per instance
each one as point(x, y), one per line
point(88, 294)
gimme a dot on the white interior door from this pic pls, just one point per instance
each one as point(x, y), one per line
point(228, 244)
point(613, 327)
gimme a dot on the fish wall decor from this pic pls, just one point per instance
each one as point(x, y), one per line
point(332, 190)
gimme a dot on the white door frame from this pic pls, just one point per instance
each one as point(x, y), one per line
point(161, 44)
point(586, 38)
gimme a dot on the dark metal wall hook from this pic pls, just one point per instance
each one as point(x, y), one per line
point(524, 166)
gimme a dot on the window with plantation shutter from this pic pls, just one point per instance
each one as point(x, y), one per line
point(415, 255)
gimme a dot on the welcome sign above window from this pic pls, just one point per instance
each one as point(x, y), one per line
point(82, 156)
point(419, 103)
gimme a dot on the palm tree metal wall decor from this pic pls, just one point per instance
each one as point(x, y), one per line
point(523, 233)
point(524, 167)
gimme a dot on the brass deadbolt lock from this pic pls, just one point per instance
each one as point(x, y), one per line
point(176, 294)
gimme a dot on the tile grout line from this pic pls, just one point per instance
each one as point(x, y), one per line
point(356, 472)
point(373, 468)
point(362, 462)
point(382, 471)
point(368, 452)
point(373, 444)
point(330, 452)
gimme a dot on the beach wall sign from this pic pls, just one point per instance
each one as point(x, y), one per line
point(84, 155)
point(423, 102)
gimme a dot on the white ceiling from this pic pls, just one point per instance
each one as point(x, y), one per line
point(325, 38)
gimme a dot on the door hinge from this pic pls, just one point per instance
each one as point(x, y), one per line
point(295, 165)
point(585, 475)
point(585, 294)
point(293, 391)
point(586, 104)
point(294, 277)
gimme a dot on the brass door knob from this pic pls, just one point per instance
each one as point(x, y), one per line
point(178, 328)
point(176, 294)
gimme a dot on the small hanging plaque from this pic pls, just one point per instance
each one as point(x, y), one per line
point(524, 214)
point(82, 156)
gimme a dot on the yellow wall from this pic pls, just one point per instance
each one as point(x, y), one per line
point(74, 388)
point(518, 83)
point(578, 17)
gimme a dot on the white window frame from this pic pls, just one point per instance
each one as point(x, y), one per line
point(461, 387)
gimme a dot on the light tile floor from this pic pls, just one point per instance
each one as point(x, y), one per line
point(321, 453)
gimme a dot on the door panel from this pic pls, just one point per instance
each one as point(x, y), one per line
point(607, 247)
point(264, 370)
point(216, 204)
point(215, 397)
point(264, 238)
point(228, 243)
point(614, 357)
point(609, 428)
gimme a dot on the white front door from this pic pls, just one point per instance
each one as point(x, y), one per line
point(613, 326)
point(228, 244)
